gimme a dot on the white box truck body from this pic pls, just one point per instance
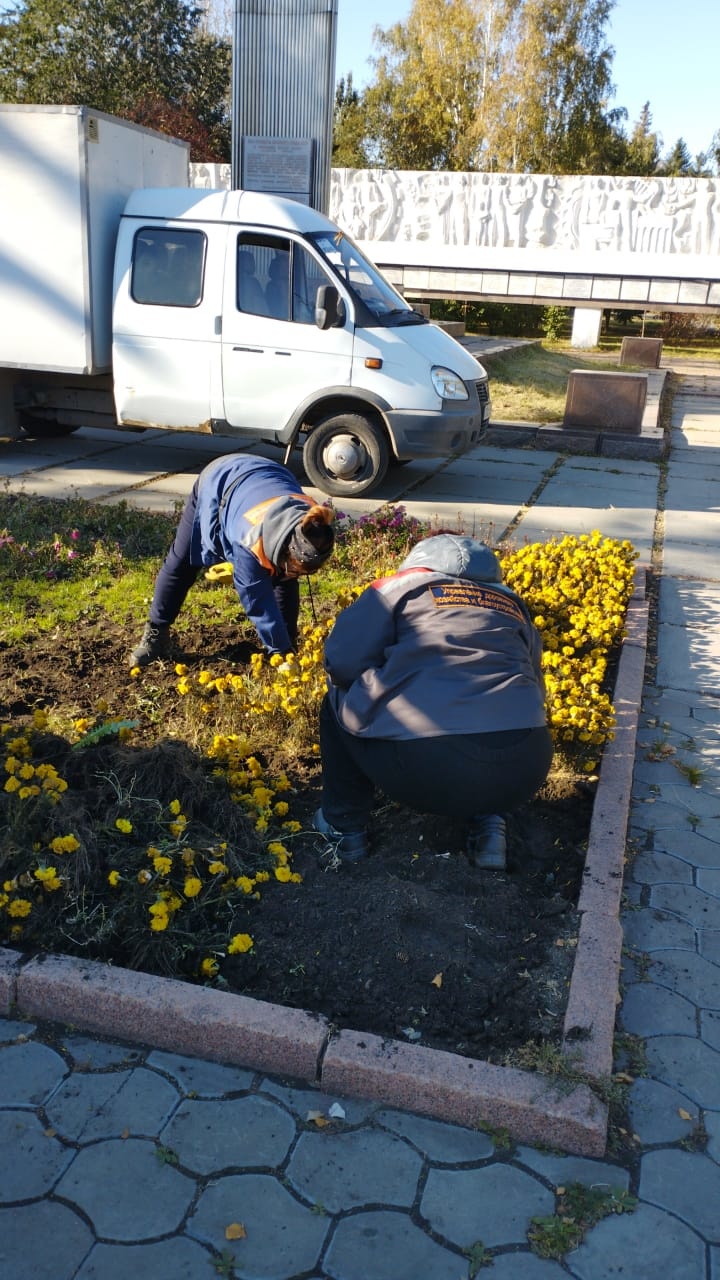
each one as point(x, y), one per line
point(129, 299)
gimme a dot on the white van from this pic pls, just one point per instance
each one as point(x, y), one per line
point(128, 299)
point(257, 314)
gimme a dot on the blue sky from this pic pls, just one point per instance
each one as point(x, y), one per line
point(667, 52)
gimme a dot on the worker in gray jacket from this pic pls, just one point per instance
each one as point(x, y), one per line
point(436, 698)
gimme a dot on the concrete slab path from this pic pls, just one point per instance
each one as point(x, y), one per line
point(123, 1163)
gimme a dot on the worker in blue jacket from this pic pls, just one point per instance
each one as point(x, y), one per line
point(435, 698)
point(250, 512)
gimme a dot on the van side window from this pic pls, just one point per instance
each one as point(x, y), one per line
point(167, 267)
point(277, 277)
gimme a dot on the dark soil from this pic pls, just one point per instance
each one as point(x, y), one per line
point(413, 943)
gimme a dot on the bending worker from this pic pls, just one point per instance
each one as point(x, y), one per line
point(436, 698)
point(248, 511)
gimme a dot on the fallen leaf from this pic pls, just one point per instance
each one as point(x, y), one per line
point(336, 1111)
point(125, 1133)
point(49, 1133)
point(559, 1191)
point(437, 980)
point(235, 1231)
point(624, 1077)
point(318, 1119)
point(683, 1114)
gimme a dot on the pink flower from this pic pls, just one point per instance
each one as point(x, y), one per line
point(74, 534)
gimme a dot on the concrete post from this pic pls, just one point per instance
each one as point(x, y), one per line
point(586, 327)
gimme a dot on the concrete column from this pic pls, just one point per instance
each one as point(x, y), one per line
point(586, 327)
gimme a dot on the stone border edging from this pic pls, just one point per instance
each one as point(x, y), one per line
point(166, 1013)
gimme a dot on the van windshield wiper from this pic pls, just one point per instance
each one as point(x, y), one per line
point(399, 315)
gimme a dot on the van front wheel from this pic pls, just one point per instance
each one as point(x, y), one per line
point(346, 455)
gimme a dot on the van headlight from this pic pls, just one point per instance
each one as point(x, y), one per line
point(447, 384)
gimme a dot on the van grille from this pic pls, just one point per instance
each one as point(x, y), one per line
point(483, 390)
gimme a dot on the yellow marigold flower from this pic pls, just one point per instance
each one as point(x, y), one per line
point(135, 672)
point(239, 943)
point(246, 883)
point(25, 793)
point(296, 878)
point(175, 806)
point(261, 877)
point(65, 844)
point(45, 873)
point(40, 718)
point(12, 784)
point(162, 864)
point(184, 686)
point(158, 923)
point(81, 726)
point(292, 826)
point(114, 879)
point(20, 907)
point(217, 869)
point(124, 825)
point(3, 899)
point(205, 677)
point(192, 887)
point(180, 669)
point(209, 967)
point(283, 873)
point(277, 848)
point(26, 772)
point(188, 857)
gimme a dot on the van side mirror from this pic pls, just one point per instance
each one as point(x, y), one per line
point(329, 307)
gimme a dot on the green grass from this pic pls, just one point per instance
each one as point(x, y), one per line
point(529, 384)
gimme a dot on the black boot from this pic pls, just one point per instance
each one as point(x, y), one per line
point(486, 842)
point(154, 644)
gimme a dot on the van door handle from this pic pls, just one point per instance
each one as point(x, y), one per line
point(283, 353)
point(256, 351)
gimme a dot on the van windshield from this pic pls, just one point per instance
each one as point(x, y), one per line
point(385, 304)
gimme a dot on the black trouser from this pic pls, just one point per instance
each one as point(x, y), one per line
point(459, 774)
point(177, 575)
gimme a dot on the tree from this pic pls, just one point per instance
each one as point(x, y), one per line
point(643, 148)
point(551, 101)
point(139, 59)
point(430, 76)
point(349, 127)
point(514, 85)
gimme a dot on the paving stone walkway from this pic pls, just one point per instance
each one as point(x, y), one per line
point(122, 1163)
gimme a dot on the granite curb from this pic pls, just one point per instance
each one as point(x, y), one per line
point(567, 1114)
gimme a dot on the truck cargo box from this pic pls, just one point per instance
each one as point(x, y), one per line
point(65, 175)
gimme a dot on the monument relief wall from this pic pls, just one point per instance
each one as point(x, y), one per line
point(529, 211)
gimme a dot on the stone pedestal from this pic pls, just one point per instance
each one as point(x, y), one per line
point(645, 352)
point(602, 401)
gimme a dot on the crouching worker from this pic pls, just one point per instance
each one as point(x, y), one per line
point(435, 698)
point(249, 512)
